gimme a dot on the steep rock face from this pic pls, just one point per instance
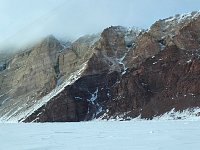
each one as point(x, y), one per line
point(29, 76)
point(35, 73)
point(84, 100)
point(156, 72)
point(168, 80)
point(30, 66)
point(145, 47)
point(188, 36)
point(125, 73)
point(180, 30)
point(92, 89)
point(110, 51)
point(78, 53)
point(61, 108)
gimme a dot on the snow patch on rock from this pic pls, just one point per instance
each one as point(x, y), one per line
point(187, 114)
point(93, 96)
point(23, 115)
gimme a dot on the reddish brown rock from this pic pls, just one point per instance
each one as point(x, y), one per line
point(158, 85)
point(146, 46)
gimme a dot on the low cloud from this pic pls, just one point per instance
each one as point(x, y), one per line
point(24, 22)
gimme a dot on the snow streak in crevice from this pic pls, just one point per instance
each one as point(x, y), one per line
point(17, 115)
point(94, 104)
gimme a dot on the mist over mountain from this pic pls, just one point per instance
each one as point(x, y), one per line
point(119, 73)
point(26, 22)
point(83, 60)
point(125, 73)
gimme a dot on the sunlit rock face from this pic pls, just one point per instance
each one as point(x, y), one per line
point(120, 73)
point(29, 75)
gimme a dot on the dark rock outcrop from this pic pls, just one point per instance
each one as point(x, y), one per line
point(83, 100)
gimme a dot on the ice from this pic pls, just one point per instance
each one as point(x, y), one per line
point(5, 100)
point(93, 96)
point(181, 18)
point(106, 135)
point(2, 95)
point(192, 15)
point(78, 98)
point(120, 61)
point(108, 94)
point(93, 101)
point(170, 19)
point(187, 114)
point(189, 61)
point(162, 47)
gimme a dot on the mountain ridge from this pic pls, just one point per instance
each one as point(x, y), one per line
point(124, 72)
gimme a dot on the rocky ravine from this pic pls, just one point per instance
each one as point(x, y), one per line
point(122, 73)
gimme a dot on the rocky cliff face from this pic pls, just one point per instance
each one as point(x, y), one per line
point(104, 66)
point(122, 73)
point(28, 76)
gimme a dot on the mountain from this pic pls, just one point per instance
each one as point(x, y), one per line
point(120, 73)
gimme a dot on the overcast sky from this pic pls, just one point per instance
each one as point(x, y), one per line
point(26, 20)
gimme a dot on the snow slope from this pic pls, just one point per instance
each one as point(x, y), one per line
point(16, 116)
point(108, 135)
point(190, 114)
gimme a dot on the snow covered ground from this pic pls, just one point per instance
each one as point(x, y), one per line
point(101, 135)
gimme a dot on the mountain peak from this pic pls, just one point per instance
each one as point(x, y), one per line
point(181, 18)
point(50, 38)
point(122, 73)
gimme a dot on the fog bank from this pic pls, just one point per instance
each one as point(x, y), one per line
point(25, 21)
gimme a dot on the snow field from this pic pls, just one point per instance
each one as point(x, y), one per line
point(101, 135)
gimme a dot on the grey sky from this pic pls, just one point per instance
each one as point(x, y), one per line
point(26, 20)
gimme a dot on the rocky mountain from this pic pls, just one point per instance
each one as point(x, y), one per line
point(121, 73)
